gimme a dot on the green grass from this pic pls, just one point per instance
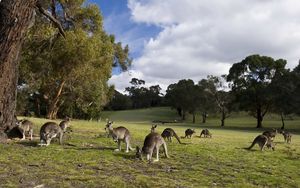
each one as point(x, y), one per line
point(87, 158)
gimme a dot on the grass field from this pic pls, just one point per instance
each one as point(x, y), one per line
point(88, 159)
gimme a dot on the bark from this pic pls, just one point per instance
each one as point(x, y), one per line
point(223, 118)
point(15, 18)
point(282, 120)
point(54, 107)
point(259, 117)
point(204, 116)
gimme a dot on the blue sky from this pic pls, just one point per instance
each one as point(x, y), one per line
point(117, 21)
point(172, 40)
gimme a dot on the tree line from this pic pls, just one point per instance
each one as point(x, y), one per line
point(257, 84)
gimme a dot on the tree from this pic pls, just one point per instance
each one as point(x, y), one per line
point(250, 81)
point(182, 95)
point(15, 18)
point(206, 102)
point(75, 68)
point(285, 88)
point(222, 97)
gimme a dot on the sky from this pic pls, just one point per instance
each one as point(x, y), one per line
point(172, 40)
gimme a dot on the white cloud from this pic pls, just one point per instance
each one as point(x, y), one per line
point(201, 37)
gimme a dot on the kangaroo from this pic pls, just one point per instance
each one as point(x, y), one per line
point(153, 128)
point(206, 133)
point(262, 141)
point(169, 133)
point(119, 134)
point(49, 131)
point(25, 126)
point(270, 134)
point(65, 124)
point(287, 136)
point(189, 133)
point(152, 142)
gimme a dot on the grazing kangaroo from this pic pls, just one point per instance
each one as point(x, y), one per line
point(287, 136)
point(49, 131)
point(119, 134)
point(189, 133)
point(169, 133)
point(153, 128)
point(25, 126)
point(262, 141)
point(205, 133)
point(152, 142)
point(270, 134)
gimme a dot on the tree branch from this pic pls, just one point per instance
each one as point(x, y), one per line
point(51, 18)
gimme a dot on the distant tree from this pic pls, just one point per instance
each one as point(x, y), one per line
point(222, 97)
point(206, 99)
point(251, 79)
point(286, 88)
point(119, 101)
point(181, 96)
point(143, 97)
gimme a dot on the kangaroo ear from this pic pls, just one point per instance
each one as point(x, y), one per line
point(137, 148)
point(155, 126)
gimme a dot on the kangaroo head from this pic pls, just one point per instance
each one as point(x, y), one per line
point(193, 130)
point(109, 125)
point(153, 128)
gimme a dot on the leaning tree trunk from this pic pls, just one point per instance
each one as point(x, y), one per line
point(15, 18)
point(54, 107)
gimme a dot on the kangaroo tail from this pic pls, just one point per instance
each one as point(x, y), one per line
point(177, 137)
point(253, 143)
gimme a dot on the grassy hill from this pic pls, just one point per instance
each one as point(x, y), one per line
point(88, 159)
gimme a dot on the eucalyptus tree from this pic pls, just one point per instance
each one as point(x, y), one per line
point(75, 68)
point(223, 97)
point(16, 16)
point(250, 81)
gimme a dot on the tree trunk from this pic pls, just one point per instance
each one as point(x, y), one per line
point(204, 115)
point(223, 118)
point(259, 118)
point(53, 107)
point(282, 120)
point(183, 115)
point(15, 18)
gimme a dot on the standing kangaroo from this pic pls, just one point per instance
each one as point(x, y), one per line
point(270, 134)
point(262, 141)
point(153, 128)
point(25, 126)
point(206, 133)
point(169, 133)
point(189, 133)
point(49, 131)
point(152, 142)
point(287, 136)
point(119, 134)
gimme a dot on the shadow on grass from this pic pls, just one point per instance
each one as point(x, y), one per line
point(28, 143)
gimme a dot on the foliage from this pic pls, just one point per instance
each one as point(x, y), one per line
point(251, 80)
point(72, 72)
point(143, 97)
